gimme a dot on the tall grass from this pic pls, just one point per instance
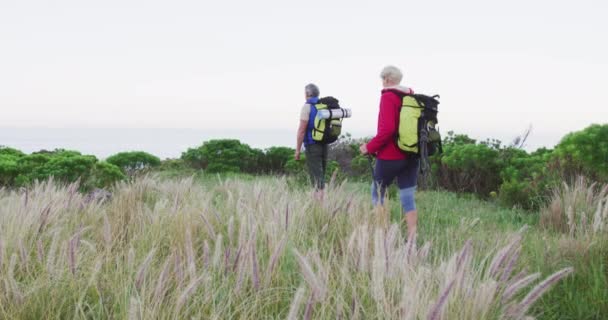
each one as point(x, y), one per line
point(579, 209)
point(245, 249)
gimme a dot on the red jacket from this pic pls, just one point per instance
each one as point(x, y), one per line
point(383, 144)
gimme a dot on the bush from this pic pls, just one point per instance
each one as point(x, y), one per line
point(527, 180)
point(276, 158)
point(9, 169)
point(134, 161)
point(65, 167)
point(585, 152)
point(226, 155)
point(468, 168)
point(106, 174)
point(11, 152)
point(344, 151)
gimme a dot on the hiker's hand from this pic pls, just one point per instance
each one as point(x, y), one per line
point(363, 149)
point(297, 155)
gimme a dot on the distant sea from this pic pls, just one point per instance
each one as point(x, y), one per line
point(170, 143)
point(164, 143)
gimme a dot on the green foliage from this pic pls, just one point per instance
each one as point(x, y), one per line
point(527, 180)
point(453, 138)
point(344, 151)
point(226, 155)
point(360, 166)
point(134, 161)
point(466, 167)
point(65, 167)
point(106, 174)
point(11, 152)
point(9, 169)
point(585, 152)
point(276, 158)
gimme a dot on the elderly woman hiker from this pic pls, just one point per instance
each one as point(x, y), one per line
point(391, 162)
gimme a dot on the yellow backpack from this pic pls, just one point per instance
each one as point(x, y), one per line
point(325, 131)
point(418, 133)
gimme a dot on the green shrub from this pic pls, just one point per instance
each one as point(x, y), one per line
point(134, 161)
point(226, 155)
point(106, 174)
point(11, 152)
point(468, 168)
point(527, 179)
point(9, 169)
point(275, 159)
point(585, 152)
point(65, 167)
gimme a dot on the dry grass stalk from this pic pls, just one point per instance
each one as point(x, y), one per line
point(298, 298)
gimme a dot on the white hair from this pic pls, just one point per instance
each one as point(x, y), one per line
point(392, 73)
point(311, 90)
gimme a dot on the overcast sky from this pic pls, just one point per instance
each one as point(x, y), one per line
point(499, 66)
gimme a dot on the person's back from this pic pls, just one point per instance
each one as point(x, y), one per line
point(316, 153)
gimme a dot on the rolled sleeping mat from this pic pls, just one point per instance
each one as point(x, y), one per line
point(334, 113)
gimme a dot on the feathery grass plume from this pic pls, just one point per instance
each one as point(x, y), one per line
point(72, 252)
point(274, 258)
point(598, 223)
point(298, 298)
point(208, 225)
point(1, 253)
point(206, 254)
point(424, 251)
point(161, 283)
point(231, 231)
point(464, 253)
point(235, 265)
point(50, 257)
point(141, 273)
point(363, 242)
point(504, 254)
point(187, 293)
point(435, 311)
point(378, 267)
point(135, 312)
point(287, 217)
point(255, 273)
point(131, 259)
point(571, 221)
point(107, 232)
point(510, 264)
point(520, 309)
point(516, 286)
point(318, 288)
point(410, 247)
point(217, 253)
point(14, 286)
point(24, 255)
point(39, 251)
point(190, 257)
point(179, 271)
point(308, 310)
point(44, 217)
point(227, 253)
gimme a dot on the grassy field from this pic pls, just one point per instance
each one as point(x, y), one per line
point(261, 248)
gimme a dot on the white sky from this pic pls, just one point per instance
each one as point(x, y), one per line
point(499, 66)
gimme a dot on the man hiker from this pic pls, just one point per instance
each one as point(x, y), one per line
point(316, 153)
point(391, 162)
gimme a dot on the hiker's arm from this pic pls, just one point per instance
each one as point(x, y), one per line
point(387, 124)
point(300, 137)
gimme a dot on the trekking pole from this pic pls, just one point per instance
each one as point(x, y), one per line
point(371, 169)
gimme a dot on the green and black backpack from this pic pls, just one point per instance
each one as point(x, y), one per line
point(325, 131)
point(418, 133)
